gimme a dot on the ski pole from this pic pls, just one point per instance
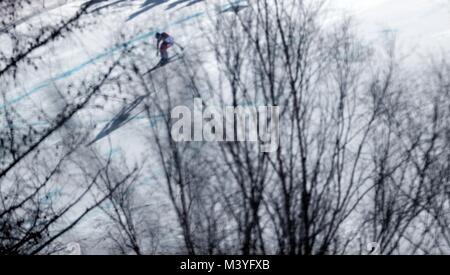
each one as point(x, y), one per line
point(179, 46)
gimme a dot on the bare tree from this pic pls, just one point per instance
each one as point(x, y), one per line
point(37, 203)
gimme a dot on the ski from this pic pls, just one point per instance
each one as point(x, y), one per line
point(175, 57)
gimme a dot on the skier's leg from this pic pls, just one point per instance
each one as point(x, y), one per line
point(164, 53)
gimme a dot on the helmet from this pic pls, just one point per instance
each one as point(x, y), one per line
point(158, 35)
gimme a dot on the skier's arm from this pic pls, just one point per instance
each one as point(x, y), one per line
point(157, 47)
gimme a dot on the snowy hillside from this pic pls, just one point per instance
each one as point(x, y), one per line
point(422, 24)
point(419, 24)
point(121, 33)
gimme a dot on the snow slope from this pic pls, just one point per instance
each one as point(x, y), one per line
point(420, 25)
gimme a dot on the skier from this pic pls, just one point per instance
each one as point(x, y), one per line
point(167, 42)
